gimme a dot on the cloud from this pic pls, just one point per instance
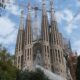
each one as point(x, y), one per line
point(6, 26)
point(71, 20)
point(13, 7)
point(8, 32)
point(70, 28)
point(73, 24)
point(78, 3)
point(64, 15)
point(59, 16)
point(68, 15)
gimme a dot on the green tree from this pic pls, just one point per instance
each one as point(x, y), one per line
point(78, 69)
point(32, 75)
point(10, 72)
point(7, 70)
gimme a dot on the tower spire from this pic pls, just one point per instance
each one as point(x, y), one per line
point(36, 24)
point(43, 7)
point(70, 47)
point(44, 27)
point(56, 48)
point(28, 32)
point(28, 42)
point(29, 9)
point(45, 36)
point(19, 43)
point(52, 11)
point(22, 20)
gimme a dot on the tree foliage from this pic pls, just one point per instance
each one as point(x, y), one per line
point(78, 69)
point(7, 70)
point(10, 72)
point(32, 75)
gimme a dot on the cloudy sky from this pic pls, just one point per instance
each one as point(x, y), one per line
point(67, 14)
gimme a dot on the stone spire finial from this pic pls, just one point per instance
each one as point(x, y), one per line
point(22, 20)
point(43, 7)
point(52, 11)
point(28, 31)
point(44, 24)
point(29, 9)
point(36, 24)
point(70, 46)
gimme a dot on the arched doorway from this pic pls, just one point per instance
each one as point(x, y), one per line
point(37, 55)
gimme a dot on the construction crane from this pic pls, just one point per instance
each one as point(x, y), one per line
point(2, 6)
point(2, 3)
point(35, 8)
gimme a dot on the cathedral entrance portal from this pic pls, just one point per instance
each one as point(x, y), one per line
point(37, 55)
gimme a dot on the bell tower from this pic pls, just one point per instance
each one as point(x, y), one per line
point(19, 43)
point(45, 37)
point(58, 65)
point(28, 42)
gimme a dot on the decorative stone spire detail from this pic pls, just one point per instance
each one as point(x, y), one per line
point(28, 30)
point(57, 54)
point(53, 18)
point(22, 20)
point(43, 7)
point(28, 60)
point(19, 44)
point(29, 8)
point(45, 37)
point(36, 36)
point(70, 47)
point(44, 27)
point(52, 11)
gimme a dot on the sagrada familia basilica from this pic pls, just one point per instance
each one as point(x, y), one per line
point(48, 50)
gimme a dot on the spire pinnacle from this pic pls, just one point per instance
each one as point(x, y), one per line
point(29, 9)
point(52, 11)
point(22, 20)
point(43, 7)
point(70, 46)
point(36, 24)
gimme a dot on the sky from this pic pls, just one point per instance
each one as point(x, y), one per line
point(67, 14)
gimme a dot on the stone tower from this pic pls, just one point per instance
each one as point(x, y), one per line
point(28, 60)
point(19, 44)
point(45, 37)
point(57, 55)
point(47, 50)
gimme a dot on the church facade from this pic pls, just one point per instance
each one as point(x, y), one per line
point(47, 51)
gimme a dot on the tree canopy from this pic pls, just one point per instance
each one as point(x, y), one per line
point(78, 69)
point(9, 72)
